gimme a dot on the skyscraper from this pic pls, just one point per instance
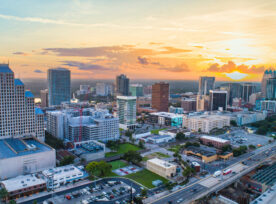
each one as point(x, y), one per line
point(122, 85)
point(136, 90)
point(247, 90)
point(267, 75)
point(234, 91)
point(218, 99)
point(205, 85)
point(44, 98)
point(126, 112)
point(18, 117)
point(160, 96)
point(59, 86)
point(271, 88)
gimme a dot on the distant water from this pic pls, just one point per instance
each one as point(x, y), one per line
point(176, 86)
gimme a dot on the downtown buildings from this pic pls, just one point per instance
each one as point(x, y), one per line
point(160, 96)
point(21, 130)
point(59, 86)
point(205, 85)
point(218, 100)
point(122, 85)
point(267, 84)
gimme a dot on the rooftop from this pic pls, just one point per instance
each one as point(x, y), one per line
point(14, 147)
point(38, 111)
point(29, 94)
point(4, 68)
point(161, 162)
point(18, 82)
point(167, 114)
point(214, 139)
point(203, 151)
point(64, 171)
point(127, 97)
point(20, 182)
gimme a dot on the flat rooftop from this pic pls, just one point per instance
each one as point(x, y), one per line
point(14, 147)
point(203, 151)
point(20, 182)
point(167, 114)
point(214, 139)
point(161, 163)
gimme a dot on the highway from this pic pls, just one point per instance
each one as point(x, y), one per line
point(210, 184)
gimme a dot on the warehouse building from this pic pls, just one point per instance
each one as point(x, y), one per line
point(161, 167)
point(214, 141)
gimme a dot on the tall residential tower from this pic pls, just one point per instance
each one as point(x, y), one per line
point(160, 96)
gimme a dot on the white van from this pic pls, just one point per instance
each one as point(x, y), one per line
point(217, 173)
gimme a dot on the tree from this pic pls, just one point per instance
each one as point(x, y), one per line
point(141, 144)
point(233, 123)
point(12, 202)
point(35, 202)
point(199, 130)
point(144, 192)
point(133, 156)
point(180, 136)
point(3, 194)
point(113, 145)
point(252, 146)
point(128, 133)
point(100, 169)
point(226, 148)
point(67, 160)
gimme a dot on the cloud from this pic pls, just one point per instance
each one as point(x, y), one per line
point(39, 71)
point(180, 68)
point(86, 66)
point(231, 67)
point(142, 60)
point(20, 53)
point(173, 50)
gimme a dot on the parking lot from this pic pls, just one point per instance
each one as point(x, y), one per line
point(242, 137)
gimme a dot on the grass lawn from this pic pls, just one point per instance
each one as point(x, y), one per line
point(174, 148)
point(145, 177)
point(123, 148)
point(118, 164)
point(156, 132)
point(162, 155)
point(145, 159)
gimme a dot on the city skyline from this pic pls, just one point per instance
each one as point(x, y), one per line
point(181, 40)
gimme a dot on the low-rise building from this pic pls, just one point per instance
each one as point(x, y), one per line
point(23, 185)
point(90, 150)
point(167, 119)
point(214, 141)
point(160, 139)
point(59, 176)
point(161, 167)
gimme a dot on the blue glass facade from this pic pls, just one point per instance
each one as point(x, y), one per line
point(59, 87)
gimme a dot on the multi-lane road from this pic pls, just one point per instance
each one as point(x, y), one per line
point(210, 184)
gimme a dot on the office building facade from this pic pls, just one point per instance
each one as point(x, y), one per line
point(160, 96)
point(188, 104)
point(266, 76)
point(44, 98)
point(205, 85)
point(247, 90)
point(218, 99)
point(136, 90)
point(271, 88)
point(59, 86)
point(122, 85)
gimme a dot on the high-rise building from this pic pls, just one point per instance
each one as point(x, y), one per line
point(271, 88)
point(205, 85)
point(136, 90)
point(103, 89)
point(188, 104)
point(160, 96)
point(234, 91)
point(218, 99)
point(126, 111)
point(18, 117)
point(247, 90)
point(44, 98)
point(122, 85)
point(59, 86)
point(267, 75)
point(202, 103)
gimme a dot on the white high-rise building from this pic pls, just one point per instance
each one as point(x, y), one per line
point(92, 125)
point(18, 117)
point(126, 106)
point(103, 89)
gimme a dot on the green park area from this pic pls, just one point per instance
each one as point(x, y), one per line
point(145, 177)
point(156, 132)
point(117, 164)
point(123, 148)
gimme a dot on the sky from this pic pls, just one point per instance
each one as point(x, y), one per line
point(144, 39)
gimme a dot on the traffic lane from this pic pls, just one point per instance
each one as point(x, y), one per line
point(46, 197)
point(185, 194)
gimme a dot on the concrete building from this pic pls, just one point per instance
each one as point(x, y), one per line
point(22, 186)
point(63, 175)
point(205, 85)
point(218, 100)
point(18, 117)
point(44, 98)
point(202, 103)
point(89, 150)
point(188, 104)
point(268, 105)
point(126, 106)
point(160, 96)
point(92, 125)
point(103, 89)
point(136, 90)
point(160, 139)
point(271, 88)
point(122, 85)
point(167, 119)
point(22, 156)
point(247, 117)
point(234, 90)
point(205, 123)
point(214, 141)
point(59, 86)
point(161, 167)
point(176, 110)
point(266, 76)
point(255, 96)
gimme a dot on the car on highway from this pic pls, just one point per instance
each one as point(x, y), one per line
point(217, 173)
point(179, 200)
point(227, 171)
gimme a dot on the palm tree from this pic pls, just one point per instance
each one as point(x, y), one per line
point(3, 194)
